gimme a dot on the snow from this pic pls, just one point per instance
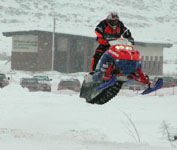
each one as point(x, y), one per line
point(63, 120)
point(170, 69)
point(5, 66)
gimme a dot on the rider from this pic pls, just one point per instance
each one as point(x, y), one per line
point(111, 27)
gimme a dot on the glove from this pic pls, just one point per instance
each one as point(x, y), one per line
point(131, 40)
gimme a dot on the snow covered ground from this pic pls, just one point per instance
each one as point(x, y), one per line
point(64, 121)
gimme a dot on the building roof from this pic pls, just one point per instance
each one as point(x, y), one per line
point(33, 32)
point(39, 32)
point(167, 45)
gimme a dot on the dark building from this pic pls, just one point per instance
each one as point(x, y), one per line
point(32, 51)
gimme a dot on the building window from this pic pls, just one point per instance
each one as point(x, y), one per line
point(151, 58)
point(156, 58)
point(62, 44)
point(147, 58)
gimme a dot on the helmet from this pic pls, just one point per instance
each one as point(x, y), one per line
point(113, 19)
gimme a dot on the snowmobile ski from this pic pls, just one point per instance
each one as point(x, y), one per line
point(157, 86)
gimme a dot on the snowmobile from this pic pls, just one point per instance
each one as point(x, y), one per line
point(119, 64)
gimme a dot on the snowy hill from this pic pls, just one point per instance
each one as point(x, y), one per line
point(152, 20)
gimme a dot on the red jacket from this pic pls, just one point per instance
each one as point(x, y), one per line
point(103, 27)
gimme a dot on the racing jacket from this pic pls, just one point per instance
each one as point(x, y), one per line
point(104, 28)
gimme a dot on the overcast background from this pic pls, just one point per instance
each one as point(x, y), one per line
point(149, 21)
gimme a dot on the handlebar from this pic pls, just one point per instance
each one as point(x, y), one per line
point(123, 41)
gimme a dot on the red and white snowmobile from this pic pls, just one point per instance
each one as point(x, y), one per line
point(119, 64)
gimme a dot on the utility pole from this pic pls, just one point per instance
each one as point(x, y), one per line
point(53, 43)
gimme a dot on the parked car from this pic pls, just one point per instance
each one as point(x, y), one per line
point(30, 83)
point(44, 81)
point(33, 84)
point(167, 81)
point(42, 78)
point(4, 81)
point(71, 84)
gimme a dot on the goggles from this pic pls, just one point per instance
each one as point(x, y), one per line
point(113, 22)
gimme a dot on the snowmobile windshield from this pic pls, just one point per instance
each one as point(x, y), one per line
point(122, 41)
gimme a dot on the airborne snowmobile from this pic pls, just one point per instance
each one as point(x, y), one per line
point(119, 64)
